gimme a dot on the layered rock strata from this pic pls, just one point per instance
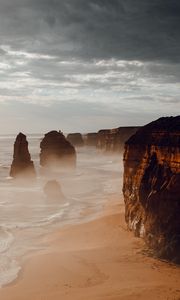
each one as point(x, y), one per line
point(75, 139)
point(152, 185)
point(114, 139)
point(22, 165)
point(57, 151)
point(91, 139)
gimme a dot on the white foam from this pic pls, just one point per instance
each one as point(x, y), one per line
point(9, 178)
point(6, 238)
point(9, 270)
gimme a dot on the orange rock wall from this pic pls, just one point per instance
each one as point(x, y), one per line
point(152, 185)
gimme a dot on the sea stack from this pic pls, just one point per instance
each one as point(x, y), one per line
point(75, 139)
point(22, 165)
point(57, 151)
point(52, 190)
point(152, 186)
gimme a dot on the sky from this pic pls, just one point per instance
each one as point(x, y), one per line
point(84, 65)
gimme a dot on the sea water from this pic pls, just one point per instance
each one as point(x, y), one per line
point(26, 215)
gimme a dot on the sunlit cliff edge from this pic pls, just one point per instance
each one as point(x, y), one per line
point(152, 185)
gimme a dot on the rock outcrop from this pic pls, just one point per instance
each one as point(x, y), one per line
point(114, 139)
point(56, 151)
point(152, 186)
point(91, 139)
point(52, 190)
point(75, 139)
point(110, 139)
point(22, 165)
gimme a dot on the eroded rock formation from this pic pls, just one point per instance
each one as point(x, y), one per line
point(22, 165)
point(152, 185)
point(91, 139)
point(114, 139)
point(56, 151)
point(52, 190)
point(75, 139)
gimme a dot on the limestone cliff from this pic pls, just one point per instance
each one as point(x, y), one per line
point(75, 139)
point(22, 164)
point(90, 139)
point(114, 139)
point(152, 185)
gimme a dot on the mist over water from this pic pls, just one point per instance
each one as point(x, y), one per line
point(26, 214)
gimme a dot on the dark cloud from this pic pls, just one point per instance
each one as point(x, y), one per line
point(123, 29)
point(92, 61)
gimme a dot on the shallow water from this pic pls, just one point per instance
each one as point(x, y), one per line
point(26, 215)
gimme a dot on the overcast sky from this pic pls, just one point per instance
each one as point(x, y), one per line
point(82, 65)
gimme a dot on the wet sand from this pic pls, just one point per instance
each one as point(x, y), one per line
point(98, 260)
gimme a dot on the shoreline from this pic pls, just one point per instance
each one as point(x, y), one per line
point(98, 259)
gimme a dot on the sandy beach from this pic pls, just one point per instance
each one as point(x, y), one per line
point(96, 260)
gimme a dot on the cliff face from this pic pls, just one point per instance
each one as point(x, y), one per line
point(56, 151)
point(104, 139)
point(75, 139)
point(114, 139)
point(22, 164)
point(152, 185)
point(110, 139)
point(90, 139)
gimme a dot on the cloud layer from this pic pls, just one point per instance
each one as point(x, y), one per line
point(116, 61)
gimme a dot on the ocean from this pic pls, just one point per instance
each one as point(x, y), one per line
point(26, 215)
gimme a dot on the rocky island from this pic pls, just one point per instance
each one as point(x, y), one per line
point(52, 190)
point(57, 151)
point(22, 164)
